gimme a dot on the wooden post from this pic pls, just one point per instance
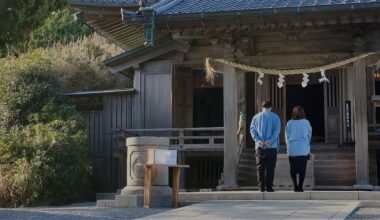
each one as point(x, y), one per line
point(361, 125)
point(175, 197)
point(147, 185)
point(230, 90)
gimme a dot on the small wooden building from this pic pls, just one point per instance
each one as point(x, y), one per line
point(166, 44)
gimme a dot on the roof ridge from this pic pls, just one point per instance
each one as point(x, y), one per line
point(165, 5)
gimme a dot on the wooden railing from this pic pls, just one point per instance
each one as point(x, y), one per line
point(183, 139)
point(374, 135)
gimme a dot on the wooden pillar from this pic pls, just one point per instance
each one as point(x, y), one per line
point(361, 125)
point(230, 91)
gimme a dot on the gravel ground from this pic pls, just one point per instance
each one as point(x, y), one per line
point(83, 211)
point(366, 210)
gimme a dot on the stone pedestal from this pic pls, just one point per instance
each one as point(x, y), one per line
point(282, 177)
point(133, 193)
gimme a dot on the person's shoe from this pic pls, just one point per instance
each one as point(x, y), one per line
point(295, 189)
point(261, 190)
point(300, 189)
point(270, 190)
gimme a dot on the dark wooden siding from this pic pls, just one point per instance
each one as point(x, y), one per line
point(117, 114)
point(106, 147)
point(150, 106)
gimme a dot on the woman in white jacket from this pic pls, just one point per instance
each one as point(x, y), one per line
point(298, 135)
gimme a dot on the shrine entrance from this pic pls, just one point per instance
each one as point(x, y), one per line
point(312, 100)
point(322, 103)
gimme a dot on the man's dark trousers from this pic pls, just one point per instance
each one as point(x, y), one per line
point(266, 163)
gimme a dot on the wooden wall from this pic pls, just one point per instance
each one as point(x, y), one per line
point(105, 147)
point(149, 107)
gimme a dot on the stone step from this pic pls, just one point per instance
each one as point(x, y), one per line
point(246, 176)
point(106, 196)
point(247, 165)
point(278, 195)
point(248, 158)
point(105, 203)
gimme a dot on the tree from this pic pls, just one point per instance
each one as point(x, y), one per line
point(19, 18)
point(61, 27)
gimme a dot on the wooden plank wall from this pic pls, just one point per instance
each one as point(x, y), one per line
point(98, 151)
point(149, 107)
point(117, 114)
point(105, 147)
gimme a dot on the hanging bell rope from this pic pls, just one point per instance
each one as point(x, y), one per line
point(210, 70)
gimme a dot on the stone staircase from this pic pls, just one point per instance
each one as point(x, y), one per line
point(246, 171)
point(334, 167)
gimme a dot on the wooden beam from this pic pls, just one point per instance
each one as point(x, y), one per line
point(157, 51)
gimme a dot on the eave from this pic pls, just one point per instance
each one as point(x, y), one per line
point(103, 4)
point(203, 16)
point(138, 55)
point(99, 92)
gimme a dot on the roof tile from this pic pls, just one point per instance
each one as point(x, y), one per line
point(198, 6)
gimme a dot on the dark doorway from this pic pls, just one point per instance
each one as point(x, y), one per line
point(311, 99)
point(208, 107)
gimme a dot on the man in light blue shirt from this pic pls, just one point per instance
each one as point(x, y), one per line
point(265, 131)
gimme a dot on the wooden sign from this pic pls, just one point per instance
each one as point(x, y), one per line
point(162, 156)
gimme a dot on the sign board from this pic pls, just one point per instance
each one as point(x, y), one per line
point(162, 156)
point(347, 115)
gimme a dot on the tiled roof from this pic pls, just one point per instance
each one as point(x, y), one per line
point(199, 6)
point(111, 3)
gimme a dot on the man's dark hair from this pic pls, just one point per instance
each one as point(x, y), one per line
point(267, 104)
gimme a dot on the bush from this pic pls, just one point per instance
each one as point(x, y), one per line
point(24, 91)
point(77, 65)
point(43, 152)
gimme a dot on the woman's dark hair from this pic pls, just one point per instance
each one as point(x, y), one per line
point(298, 113)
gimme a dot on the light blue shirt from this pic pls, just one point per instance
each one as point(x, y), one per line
point(298, 136)
point(266, 126)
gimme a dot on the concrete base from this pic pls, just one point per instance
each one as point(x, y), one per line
point(135, 201)
point(364, 187)
point(156, 190)
point(133, 196)
point(227, 187)
point(194, 197)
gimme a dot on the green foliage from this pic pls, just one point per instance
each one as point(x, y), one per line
point(77, 65)
point(43, 150)
point(61, 27)
point(18, 20)
point(24, 91)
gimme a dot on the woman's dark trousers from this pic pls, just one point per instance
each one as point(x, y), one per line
point(298, 166)
point(266, 163)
